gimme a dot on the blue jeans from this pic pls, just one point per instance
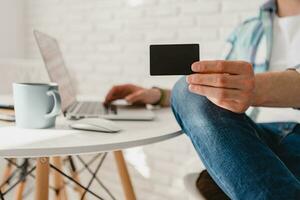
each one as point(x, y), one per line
point(247, 160)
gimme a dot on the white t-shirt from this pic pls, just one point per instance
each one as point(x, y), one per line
point(285, 54)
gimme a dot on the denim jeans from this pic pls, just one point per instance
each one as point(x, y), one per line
point(246, 159)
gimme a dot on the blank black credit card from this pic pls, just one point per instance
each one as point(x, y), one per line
point(173, 59)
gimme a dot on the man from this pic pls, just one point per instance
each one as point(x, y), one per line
point(247, 160)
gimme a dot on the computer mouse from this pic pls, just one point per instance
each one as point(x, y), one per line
point(96, 124)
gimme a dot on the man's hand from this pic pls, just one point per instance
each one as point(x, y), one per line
point(228, 84)
point(133, 94)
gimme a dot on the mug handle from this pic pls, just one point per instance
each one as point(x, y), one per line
point(57, 103)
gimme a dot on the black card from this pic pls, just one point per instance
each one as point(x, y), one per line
point(173, 59)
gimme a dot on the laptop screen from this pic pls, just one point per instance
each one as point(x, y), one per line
point(56, 68)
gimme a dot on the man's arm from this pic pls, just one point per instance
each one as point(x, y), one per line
point(272, 89)
point(229, 84)
point(277, 89)
point(234, 86)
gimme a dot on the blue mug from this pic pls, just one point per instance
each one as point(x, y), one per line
point(36, 104)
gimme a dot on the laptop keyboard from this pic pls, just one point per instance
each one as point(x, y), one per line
point(93, 109)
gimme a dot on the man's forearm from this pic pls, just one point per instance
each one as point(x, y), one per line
point(277, 89)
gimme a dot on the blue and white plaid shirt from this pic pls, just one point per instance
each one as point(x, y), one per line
point(252, 42)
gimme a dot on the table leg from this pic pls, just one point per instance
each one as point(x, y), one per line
point(20, 190)
point(7, 173)
point(75, 176)
point(61, 193)
point(42, 179)
point(21, 187)
point(124, 175)
point(77, 188)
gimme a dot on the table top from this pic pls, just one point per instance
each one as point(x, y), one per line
point(61, 140)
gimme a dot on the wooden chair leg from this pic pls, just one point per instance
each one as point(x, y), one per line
point(6, 174)
point(75, 176)
point(59, 183)
point(21, 186)
point(20, 190)
point(124, 176)
point(42, 179)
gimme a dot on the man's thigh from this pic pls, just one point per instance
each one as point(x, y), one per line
point(284, 140)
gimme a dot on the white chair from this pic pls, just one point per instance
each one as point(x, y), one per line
point(190, 185)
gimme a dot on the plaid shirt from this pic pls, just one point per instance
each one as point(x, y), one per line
point(252, 42)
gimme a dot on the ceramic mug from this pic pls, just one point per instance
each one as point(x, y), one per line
point(36, 104)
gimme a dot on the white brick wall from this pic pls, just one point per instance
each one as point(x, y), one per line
point(105, 42)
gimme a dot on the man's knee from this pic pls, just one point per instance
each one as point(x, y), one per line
point(179, 91)
point(197, 109)
point(183, 100)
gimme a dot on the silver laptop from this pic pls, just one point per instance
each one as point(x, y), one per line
point(72, 108)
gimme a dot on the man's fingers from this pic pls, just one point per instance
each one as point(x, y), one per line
point(109, 96)
point(220, 80)
point(217, 93)
point(135, 97)
point(112, 95)
point(230, 84)
point(117, 92)
point(231, 105)
point(220, 66)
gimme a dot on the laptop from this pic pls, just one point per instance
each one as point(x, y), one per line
point(71, 107)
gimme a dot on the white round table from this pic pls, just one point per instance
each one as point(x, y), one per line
point(62, 141)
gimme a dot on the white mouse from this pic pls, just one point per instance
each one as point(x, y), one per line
point(96, 124)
